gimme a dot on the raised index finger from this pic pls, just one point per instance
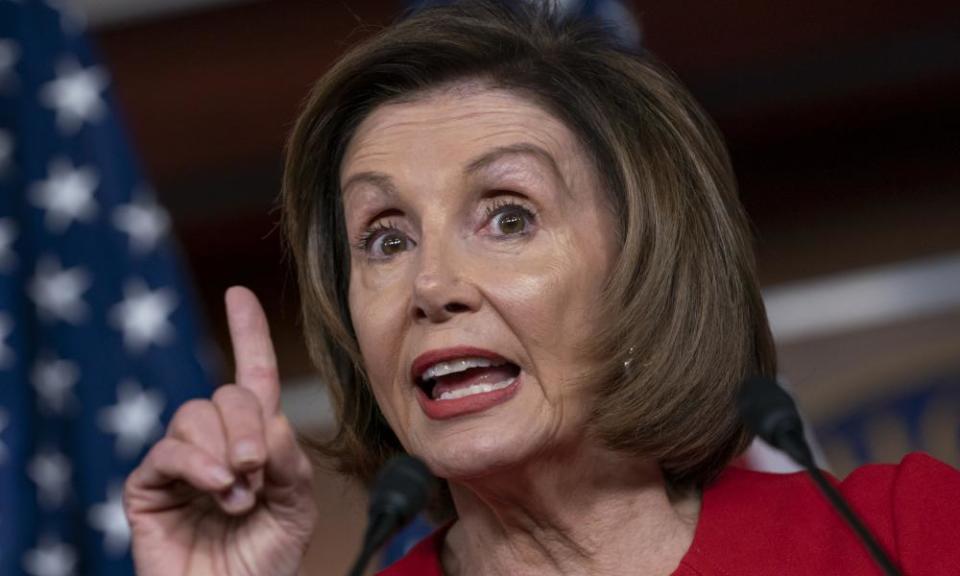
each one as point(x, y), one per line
point(252, 348)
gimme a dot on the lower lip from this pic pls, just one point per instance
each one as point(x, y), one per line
point(446, 409)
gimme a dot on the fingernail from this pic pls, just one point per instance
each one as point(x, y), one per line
point(245, 452)
point(238, 497)
point(221, 476)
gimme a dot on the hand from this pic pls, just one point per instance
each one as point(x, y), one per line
point(227, 491)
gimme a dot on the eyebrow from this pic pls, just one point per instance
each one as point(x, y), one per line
point(378, 179)
point(478, 164)
point(489, 158)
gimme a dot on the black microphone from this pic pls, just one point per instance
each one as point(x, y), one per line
point(769, 411)
point(399, 493)
point(771, 414)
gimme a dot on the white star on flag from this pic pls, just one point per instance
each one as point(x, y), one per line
point(4, 420)
point(66, 195)
point(109, 518)
point(144, 221)
point(6, 151)
point(58, 292)
point(134, 419)
point(51, 557)
point(54, 379)
point(143, 315)
point(50, 471)
point(6, 352)
point(75, 95)
point(9, 54)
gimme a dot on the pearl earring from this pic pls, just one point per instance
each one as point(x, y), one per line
point(629, 360)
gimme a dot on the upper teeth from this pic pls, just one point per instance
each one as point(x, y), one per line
point(459, 365)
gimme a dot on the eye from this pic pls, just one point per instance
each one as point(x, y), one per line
point(390, 244)
point(384, 241)
point(508, 218)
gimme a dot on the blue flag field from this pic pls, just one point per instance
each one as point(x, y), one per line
point(98, 335)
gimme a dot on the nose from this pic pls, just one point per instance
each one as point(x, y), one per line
point(440, 289)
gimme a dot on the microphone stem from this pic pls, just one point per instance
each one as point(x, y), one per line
point(770, 412)
point(853, 521)
point(378, 531)
point(361, 563)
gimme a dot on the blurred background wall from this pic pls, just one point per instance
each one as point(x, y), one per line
point(843, 119)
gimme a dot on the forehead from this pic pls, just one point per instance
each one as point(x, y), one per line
point(453, 125)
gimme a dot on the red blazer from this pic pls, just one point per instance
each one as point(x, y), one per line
point(755, 523)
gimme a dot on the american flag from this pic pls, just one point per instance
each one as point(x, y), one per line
point(99, 341)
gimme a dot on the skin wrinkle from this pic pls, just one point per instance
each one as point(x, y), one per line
point(506, 165)
point(485, 119)
point(580, 535)
point(533, 490)
point(489, 159)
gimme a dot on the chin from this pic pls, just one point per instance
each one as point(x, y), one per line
point(464, 465)
point(480, 451)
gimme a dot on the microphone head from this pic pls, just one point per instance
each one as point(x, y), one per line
point(401, 489)
point(768, 410)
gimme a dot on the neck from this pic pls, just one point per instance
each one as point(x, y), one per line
point(589, 511)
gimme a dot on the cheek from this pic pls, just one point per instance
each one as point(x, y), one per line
point(377, 306)
point(551, 301)
point(534, 295)
point(378, 314)
point(537, 299)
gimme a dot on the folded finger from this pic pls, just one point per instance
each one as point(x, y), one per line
point(172, 464)
point(172, 460)
point(198, 422)
point(242, 419)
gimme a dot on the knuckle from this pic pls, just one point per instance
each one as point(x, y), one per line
point(245, 432)
point(162, 452)
point(224, 392)
point(235, 397)
point(189, 413)
point(195, 459)
point(182, 459)
point(193, 407)
point(129, 489)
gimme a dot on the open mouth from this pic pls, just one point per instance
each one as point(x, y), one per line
point(462, 377)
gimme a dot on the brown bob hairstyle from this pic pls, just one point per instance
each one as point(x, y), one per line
point(681, 320)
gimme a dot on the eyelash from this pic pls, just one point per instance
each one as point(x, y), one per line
point(373, 233)
point(368, 236)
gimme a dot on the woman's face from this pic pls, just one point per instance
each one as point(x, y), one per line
point(480, 242)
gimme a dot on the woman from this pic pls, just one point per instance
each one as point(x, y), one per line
point(522, 259)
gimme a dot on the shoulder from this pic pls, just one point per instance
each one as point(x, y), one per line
point(754, 522)
point(917, 503)
point(421, 560)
